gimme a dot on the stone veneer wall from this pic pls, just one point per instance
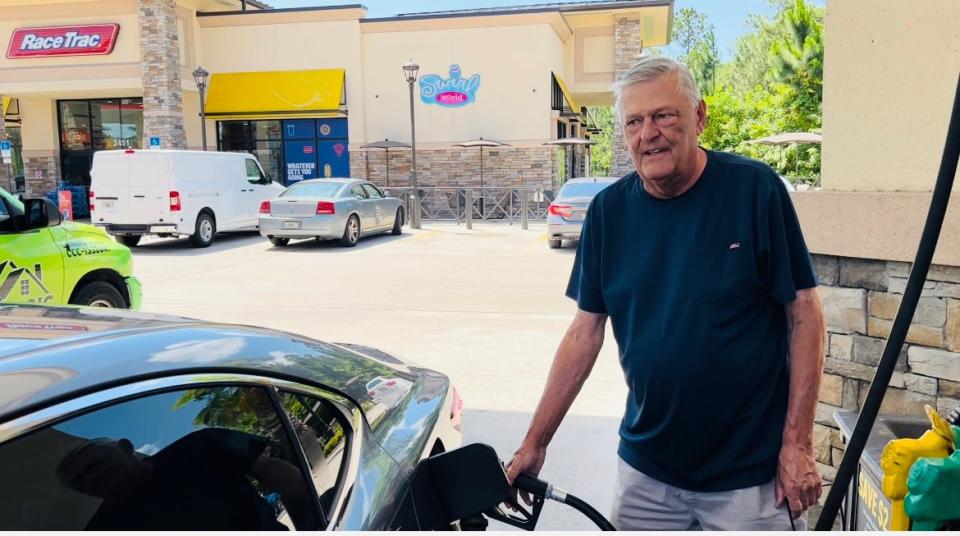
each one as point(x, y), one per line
point(47, 165)
point(160, 70)
point(456, 167)
point(860, 299)
point(627, 48)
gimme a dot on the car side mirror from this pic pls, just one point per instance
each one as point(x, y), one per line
point(39, 213)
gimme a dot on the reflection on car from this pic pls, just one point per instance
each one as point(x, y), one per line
point(568, 209)
point(330, 209)
point(112, 420)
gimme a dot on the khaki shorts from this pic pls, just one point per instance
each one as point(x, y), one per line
point(643, 503)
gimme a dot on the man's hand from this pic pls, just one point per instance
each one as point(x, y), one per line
point(797, 482)
point(526, 460)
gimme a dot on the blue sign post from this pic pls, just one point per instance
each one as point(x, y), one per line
point(155, 142)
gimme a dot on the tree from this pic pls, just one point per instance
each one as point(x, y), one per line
point(601, 154)
point(694, 43)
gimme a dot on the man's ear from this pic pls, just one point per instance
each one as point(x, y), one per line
point(701, 116)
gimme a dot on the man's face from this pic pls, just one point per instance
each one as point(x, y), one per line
point(661, 128)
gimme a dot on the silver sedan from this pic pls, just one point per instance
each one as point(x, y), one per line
point(330, 209)
point(566, 212)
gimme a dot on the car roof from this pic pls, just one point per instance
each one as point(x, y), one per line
point(51, 353)
point(581, 180)
point(336, 180)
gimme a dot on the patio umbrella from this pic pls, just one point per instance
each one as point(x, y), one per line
point(386, 144)
point(481, 143)
point(787, 138)
point(573, 142)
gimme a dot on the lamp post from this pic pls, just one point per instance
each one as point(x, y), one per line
point(410, 73)
point(200, 77)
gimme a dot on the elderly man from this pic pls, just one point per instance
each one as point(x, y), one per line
point(698, 260)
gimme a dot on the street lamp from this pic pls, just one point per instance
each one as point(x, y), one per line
point(410, 73)
point(200, 77)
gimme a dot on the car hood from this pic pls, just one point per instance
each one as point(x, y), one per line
point(79, 230)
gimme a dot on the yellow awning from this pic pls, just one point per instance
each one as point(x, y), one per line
point(566, 94)
point(6, 105)
point(275, 94)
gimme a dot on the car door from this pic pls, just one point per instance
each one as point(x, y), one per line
point(255, 191)
point(367, 208)
point(209, 457)
point(383, 217)
point(31, 264)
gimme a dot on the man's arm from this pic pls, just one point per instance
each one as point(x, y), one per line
point(571, 366)
point(797, 479)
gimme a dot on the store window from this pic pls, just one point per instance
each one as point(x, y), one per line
point(87, 126)
point(291, 150)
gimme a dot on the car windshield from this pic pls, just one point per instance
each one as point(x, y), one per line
point(313, 189)
point(12, 201)
point(583, 189)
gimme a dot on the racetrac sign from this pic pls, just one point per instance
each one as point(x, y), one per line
point(451, 92)
point(63, 41)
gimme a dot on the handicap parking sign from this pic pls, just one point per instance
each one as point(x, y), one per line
point(155, 142)
point(5, 147)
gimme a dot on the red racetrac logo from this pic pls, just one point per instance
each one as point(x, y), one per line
point(86, 40)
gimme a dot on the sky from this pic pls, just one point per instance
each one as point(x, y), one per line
point(729, 17)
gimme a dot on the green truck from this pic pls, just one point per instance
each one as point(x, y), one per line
point(46, 260)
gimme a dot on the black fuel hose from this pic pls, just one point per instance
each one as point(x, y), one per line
point(540, 488)
point(898, 333)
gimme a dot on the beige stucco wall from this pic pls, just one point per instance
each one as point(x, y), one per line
point(288, 46)
point(890, 72)
point(40, 133)
point(513, 100)
point(119, 70)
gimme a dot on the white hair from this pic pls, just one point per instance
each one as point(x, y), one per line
point(649, 68)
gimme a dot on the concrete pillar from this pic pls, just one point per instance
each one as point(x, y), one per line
point(41, 154)
point(627, 48)
point(160, 72)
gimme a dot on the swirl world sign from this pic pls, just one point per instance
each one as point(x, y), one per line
point(452, 92)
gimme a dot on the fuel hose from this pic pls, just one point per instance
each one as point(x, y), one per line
point(898, 333)
point(531, 484)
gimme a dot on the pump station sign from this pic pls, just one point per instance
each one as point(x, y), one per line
point(93, 39)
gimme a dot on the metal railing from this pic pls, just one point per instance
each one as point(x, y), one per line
point(485, 204)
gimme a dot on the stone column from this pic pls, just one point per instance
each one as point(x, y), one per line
point(627, 48)
point(160, 72)
point(6, 175)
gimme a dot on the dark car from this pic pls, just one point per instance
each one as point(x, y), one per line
point(113, 420)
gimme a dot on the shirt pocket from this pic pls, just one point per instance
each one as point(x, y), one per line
point(727, 276)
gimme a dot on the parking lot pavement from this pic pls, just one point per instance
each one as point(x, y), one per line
point(485, 306)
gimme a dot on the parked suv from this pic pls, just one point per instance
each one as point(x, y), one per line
point(45, 260)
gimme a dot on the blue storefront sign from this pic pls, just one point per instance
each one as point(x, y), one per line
point(301, 157)
point(452, 92)
point(315, 148)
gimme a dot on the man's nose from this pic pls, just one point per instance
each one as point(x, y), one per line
point(649, 130)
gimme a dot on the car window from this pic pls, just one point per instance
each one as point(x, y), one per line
point(358, 193)
point(214, 458)
point(12, 201)
point(323, 435)
point(6, 222)
point(313, 189)
point(582, 189)
point(253, 172)
point(372, 191)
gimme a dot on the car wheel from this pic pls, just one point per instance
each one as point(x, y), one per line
point(99, 294)
point(130, 240)
point(351, 232)
point(204, 230)
point(555, 244)
point(279, 242)
point(398, 223)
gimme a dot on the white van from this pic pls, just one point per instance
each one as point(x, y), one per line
point(177, 193)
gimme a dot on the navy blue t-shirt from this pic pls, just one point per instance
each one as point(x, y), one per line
point(695, 288)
